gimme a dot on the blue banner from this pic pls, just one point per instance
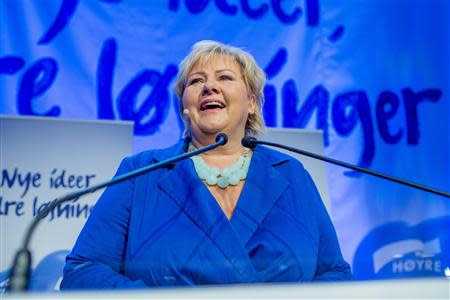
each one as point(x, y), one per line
point(373, 75)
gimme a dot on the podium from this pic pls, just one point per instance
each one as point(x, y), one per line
point(380, 289)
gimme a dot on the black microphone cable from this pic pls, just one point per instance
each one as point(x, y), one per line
point(251, 142)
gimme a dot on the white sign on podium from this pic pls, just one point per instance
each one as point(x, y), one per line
point(45, 158)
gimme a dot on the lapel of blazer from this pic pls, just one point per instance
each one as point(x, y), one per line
point(263, 187)
point(183, 186)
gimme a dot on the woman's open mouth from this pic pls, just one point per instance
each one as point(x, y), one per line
point(207, 105)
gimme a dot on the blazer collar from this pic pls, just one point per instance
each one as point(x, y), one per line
point(263, 187)
point(183, 186)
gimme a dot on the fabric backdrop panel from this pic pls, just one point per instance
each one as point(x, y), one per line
point(373, 75)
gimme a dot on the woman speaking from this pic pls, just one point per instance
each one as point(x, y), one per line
point(230, 215)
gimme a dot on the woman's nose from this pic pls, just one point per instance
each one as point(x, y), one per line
point(210, 87)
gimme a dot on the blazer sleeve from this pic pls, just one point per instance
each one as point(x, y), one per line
point(331, 266)
point(96, 260)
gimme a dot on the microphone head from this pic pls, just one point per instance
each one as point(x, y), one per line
point(249, 142)
point(222, 138)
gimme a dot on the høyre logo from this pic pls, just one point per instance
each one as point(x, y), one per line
point(397, 250)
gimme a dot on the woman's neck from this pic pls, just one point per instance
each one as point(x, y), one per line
point(222, 156)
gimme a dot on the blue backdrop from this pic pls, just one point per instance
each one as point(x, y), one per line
point(373, 75)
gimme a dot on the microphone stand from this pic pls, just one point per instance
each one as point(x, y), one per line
point(251, 142)
point(21, 268)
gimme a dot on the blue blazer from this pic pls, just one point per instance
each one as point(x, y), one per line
point(165, 228)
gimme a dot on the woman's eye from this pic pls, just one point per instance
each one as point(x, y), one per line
point(225, 77)
point(194, 81)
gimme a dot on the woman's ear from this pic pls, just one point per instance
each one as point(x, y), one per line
point(251, 104)
point(185, 115)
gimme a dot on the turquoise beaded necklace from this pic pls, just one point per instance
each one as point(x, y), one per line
point(222, 177)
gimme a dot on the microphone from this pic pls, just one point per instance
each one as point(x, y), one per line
point(21, 267)
point(222, 138)
point(251, 142)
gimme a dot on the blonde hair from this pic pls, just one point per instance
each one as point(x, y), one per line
point(254, 78)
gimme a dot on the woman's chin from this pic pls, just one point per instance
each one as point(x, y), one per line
point(212, 128)
point(211, 131)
